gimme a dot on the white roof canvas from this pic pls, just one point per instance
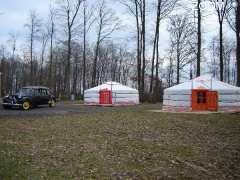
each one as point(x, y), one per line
point(203, 82)
point(114, 86)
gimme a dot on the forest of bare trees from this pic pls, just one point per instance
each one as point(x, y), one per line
point(75, 46)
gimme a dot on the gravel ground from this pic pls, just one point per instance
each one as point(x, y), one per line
point(60, 109)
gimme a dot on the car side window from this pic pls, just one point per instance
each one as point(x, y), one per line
point(44, 92)
point(26, 92)
point(36, 92)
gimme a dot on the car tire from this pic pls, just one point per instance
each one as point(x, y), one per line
point(26, 105)
point(52, 103)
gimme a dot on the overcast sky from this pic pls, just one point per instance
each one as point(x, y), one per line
point(14, 14)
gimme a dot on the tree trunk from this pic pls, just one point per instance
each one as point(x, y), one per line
point(31, 56)
point(156, 87)
point(51, 56)
point(157, 57)
point(178, 66)
point(55, 79)
point(84, 49)
point(41, 68)
point(94, 73)
point(68, 63)
point(221, 49)
point(199, 34)
point(1, 75)
point(154, 44)
point(95, 63)
point(138, 47)
point(238, 42)
point(170, 75)
point(75, 76)
point(143, 50)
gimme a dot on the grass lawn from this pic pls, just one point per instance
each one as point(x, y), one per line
point(124, 143)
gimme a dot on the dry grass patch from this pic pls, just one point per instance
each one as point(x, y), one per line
point(124, 143)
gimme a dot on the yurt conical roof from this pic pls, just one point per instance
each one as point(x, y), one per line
point(203, 82)
point(113, 86)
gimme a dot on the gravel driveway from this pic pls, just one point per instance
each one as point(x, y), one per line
point(60, 109)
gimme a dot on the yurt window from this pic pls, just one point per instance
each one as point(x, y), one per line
point(201, 97)
point(199, 100)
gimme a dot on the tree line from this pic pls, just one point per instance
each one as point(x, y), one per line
point(75, 47)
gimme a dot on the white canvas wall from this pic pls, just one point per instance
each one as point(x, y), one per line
point(180, 95)
point(120, 94)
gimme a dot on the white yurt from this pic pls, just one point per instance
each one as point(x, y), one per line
point(202, 94)
point(111, 93)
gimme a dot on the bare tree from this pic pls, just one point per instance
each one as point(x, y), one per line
point(143, 37)
point(2, 69)
point(164, 8)
point(214, 50)
point(69, 11)
point(137, 8)
point(33, 27)
point(233, 18)
point(107, 23)
point(88, 20)
point(13, 43)
point(140, 15)
point(227, 58)
point(170, 67)
point(222, 9)
point(182, 32)
point(237, 27)
point(51, 33)
point(199, 37)
point(44, 37)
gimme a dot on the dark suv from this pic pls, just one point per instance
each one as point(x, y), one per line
point(29, 97)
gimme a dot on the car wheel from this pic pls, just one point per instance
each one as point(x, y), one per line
point(26, 105)
point(52, 103)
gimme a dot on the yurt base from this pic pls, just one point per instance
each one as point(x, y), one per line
point(111, 105)
point(184, 112)
point(180, 109)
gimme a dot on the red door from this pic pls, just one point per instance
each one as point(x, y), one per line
point(212, 100)
point(105, 97)
point(204, 100)
point(199, 100)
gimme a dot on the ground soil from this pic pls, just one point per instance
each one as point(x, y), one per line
point(72, 141)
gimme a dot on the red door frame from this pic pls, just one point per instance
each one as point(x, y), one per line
point(105, 97)
point(212, 100)
point(204, 100)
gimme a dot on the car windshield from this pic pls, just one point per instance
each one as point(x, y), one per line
point(25, 92)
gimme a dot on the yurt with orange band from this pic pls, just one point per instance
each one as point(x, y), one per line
point(111, 94)
point(202, 94)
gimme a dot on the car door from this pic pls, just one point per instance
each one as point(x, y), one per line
point(37, 97)
point(45, 96)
